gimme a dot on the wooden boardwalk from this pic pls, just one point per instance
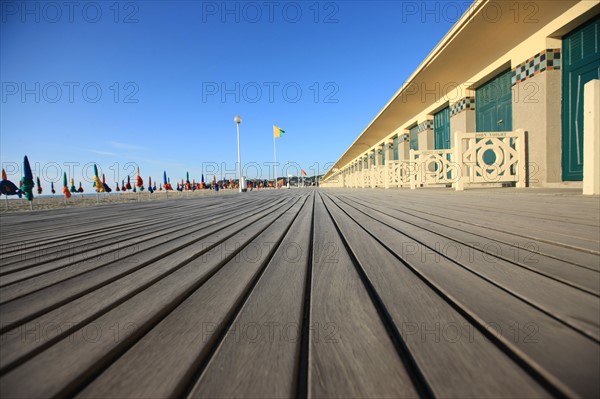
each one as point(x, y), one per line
point(305, 293)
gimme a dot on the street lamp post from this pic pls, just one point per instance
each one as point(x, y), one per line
point(238, 120)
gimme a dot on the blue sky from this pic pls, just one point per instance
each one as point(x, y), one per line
point(156, 84)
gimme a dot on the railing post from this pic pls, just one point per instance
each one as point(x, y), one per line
point(522, 154)
point(413, 176)
point(591, 138)
point(459, 185)
point(372, 172)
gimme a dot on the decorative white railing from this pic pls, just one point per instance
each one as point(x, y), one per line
point(378, 176)
point(432, 167)
point(505, 150)
point(488, 157)
point(367, 178)
point(398, 174)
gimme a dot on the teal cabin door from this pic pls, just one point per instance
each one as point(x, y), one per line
point(581, 63)
point(493, 108)
point(414, 137)
point(441, 129)
point(493, 104)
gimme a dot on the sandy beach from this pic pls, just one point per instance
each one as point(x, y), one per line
point(81, 200)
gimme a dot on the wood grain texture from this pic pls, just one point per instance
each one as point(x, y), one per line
point(308, 293)
point(350, 351)
point(439, 338)
point(272, 321)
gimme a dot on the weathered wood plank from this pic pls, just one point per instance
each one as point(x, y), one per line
point(548, 295)
point(66, 366)
point(546, 346)
point(164, 362)
point(99, 300)
point(350, 351)
point(264, 362)
point(31, 253)
point(85, 259)
point(570, 255)
point(454, 351)
point(520, 254)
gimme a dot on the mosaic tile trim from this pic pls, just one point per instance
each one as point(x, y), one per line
point(547, 60)
point(421, 127)
point(467, 103)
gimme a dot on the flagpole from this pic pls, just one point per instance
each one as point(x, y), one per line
point(275, 161)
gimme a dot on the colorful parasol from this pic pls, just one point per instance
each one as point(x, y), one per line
point(106, 188)
point(39, 185)
point(73, 188)
point(52, 190)
point(80, 189)
point(27, 181)
point(97, 183)
point(65, 189)
point(150, 188)
point(7, 187)
point(139, 182)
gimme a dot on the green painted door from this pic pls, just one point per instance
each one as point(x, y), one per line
point(414, 137)
point(581, 63)
point(493, 106)
point(441, 129)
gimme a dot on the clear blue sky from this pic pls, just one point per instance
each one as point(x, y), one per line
point(162, 67)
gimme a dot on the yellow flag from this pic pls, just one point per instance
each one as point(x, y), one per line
point(277, 131)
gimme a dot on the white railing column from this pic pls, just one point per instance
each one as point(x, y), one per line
point(591, 138)
point(389, 155)
point(459, 184)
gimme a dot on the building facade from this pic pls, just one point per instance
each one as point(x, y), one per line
point(499, 100)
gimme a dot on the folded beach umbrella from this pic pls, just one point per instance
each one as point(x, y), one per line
point(52, 188)
point(117, 189)
point(139, 182)
point(106, 188)
point(7, 187)
point(150, 188)
point(97, 183)
point(128, 186)
point(65, 189)
point(166, 182)
point(39, 188)
point(27, 181)
point(73, 188)
point(80, 189)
